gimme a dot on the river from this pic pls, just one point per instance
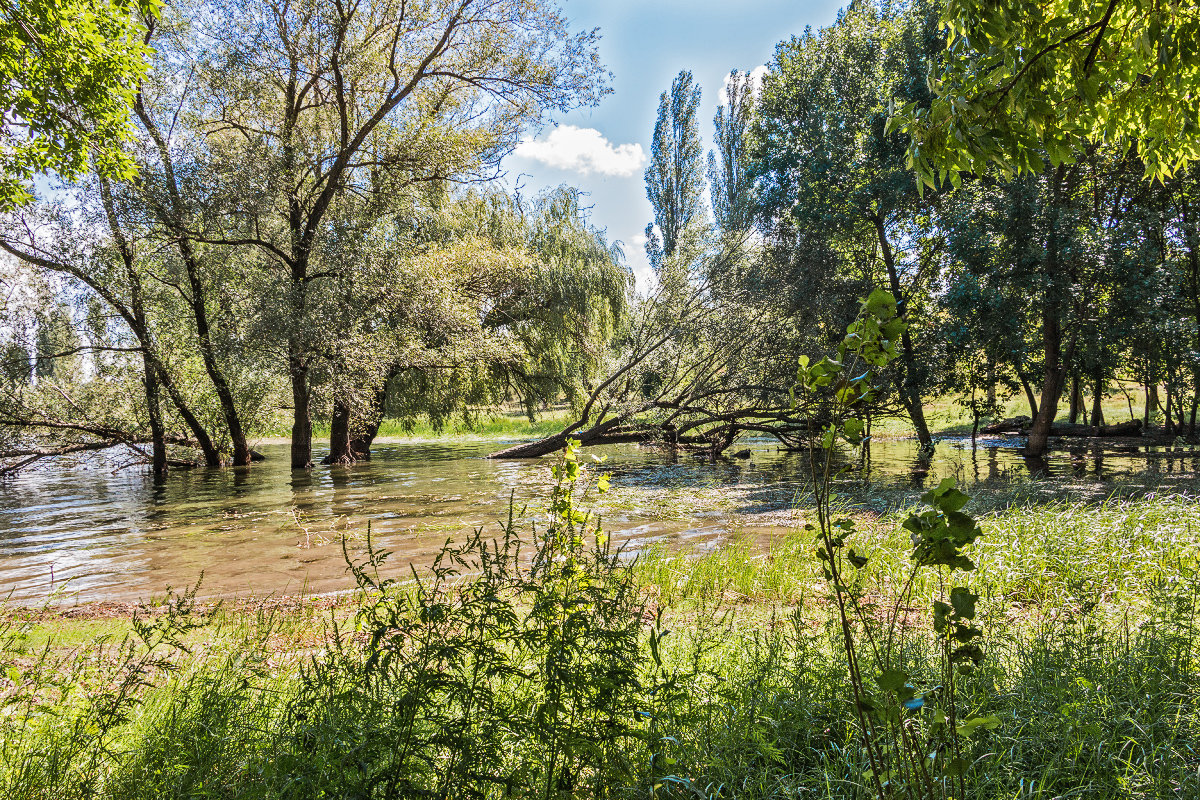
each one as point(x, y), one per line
point(91, 531)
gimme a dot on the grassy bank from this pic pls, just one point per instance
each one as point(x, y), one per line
point(509, 424)
point(945, 416)
point(680, 675)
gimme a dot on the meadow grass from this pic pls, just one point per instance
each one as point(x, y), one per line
point(481, 424)
point(950, 416)
point(1089, 610)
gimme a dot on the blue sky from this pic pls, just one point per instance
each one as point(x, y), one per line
point(645, 44)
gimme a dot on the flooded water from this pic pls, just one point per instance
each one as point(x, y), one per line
point(98, 533)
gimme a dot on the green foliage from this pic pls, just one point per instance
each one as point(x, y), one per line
point(62, 713)
point(467, 678)
point(729, 180)
point(910, 734)
point(1024, 84)
point(675, 176)
point(498, 671)
point(69, 70)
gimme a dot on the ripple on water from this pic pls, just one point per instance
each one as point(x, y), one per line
point(114, 535)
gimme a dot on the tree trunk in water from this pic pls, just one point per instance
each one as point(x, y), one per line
point(349, 442)
point(1055, 370)
point(212, 456)
point(1039, 432)
point(1097, 399)
point(237, 434)
point(910, 390)
point(174, 217)
point(1076, 401)
point(136, 319)
point(916, 412)
point(558, 441)
point(339, 435)
point(301, 414)
point(158, 445)
point(360, 444)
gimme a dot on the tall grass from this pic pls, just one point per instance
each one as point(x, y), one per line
point(551, 667)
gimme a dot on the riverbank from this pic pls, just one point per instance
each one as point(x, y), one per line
point(1089, 611)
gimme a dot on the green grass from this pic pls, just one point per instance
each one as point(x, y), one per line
point(949, 416)
point(945, 416)
point(486, 424)
point(1089, 607)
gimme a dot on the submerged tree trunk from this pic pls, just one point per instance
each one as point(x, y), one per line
point(174, 218)
point(301, 453)
point(1055, 365)
point(1098, 398)
point(910, 389)
point(158, 444)
point(339, 435)
point(1076, 401)
point(364, 437)
point(350, 440)
point(237, 434)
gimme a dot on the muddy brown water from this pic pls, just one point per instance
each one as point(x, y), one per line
point(93, 532)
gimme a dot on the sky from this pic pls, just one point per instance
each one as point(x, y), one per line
point(603, 150)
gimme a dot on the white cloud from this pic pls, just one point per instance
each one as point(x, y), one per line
point(639, 240)
point(583, 150)
point(756, 78)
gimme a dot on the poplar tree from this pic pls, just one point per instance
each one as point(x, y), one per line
point(675, 177)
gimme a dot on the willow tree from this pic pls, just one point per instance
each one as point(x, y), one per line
point(504, 300)
point(311, 102)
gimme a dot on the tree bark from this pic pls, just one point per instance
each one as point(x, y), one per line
point(158, 443)
point(1055, 367)
point(1076, 401)
point(301, 412)
point(174, 219)
point(910, 391)
point(340, 450)
point(1098, 398)
point(360, 443)
point(1029, 395)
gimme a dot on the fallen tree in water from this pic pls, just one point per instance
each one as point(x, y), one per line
point(696, 369)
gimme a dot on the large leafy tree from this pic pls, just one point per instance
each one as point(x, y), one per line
point(310, 103)
point(833, 186)
point(68, 74)
point(1031, 82)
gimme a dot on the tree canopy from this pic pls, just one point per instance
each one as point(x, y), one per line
point(69, 70)
point(1024, 84)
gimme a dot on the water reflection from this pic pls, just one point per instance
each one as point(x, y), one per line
point(113, 534)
